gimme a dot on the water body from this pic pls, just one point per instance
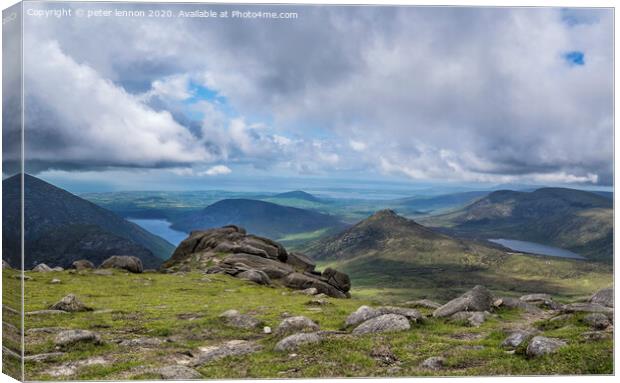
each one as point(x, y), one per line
point(536, 248)
point(161, 227)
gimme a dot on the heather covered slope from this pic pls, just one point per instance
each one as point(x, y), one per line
point(396, 256)
point(61, 228)
point(576, 220)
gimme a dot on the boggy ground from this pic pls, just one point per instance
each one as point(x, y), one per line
point(174, 316)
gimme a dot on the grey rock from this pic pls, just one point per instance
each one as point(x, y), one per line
point(230, 348)
point(301, 281)
point(518, 337)
point(124, 262)
point(309, 291)
point(70, 303)
point(256, 276)
point(235, 319)
point(409, 313)
point(42, 268)
point(300, 262)
point(103, 272)
point(561, 317)
point(476, 299)
point(70, 337)
point(433, 363)
point(595, 336)
point(82, 264)
point(540, 345)
point(57, 268)
point(141, 342)
point(383, 323)
point(296, 324)
point(55, 281)
point(233, 264)
point(597, 321)
point(292, 342)
point(604, 297)
point(472, 318)
point(515, 303)
point(46, 312)
point(5, 265)
point(177, 372)
point(337, 279)
point(588, 308)
point(536, 298)
point(362, 314)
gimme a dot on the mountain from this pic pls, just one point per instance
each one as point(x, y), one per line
point(258, 217)
point(298, 194)
point(576, 220)
point(61, 227)
point(389, 253)
point(426, 204)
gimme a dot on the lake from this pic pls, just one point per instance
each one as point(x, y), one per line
point(160, 227)
point(536, 248)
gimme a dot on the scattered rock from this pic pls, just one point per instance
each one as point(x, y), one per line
point(296, 324)
point(256, 276)
point(57, 268)
point(235, 319)
point(433, 363)
point(540, 345)
point(43, 357)
point(473, 318)
point(536, 298)
point(362, 314)
point(230, 348)
point(588, 308)
point(70, 368)
point(604, 297)
point(55, 281)
point(597, 321)
point(383, 354)
point(266, 330)
point(409, 313)
point(141, 342)
point(83, 264)
point(425, 303)
point(309, 291)
point(292, 342)
point(518, 337)
point(596, 335)
point(177, 372)
point(70, 303)
point(5, 265)
point(515, 303)
point(476, 299)
point(561, 317)
point(383, 323)
point(69, 337)
point(304, 281)
point(42, 268)
point(123, 262)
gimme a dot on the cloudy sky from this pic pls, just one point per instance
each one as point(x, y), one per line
point(462, 95)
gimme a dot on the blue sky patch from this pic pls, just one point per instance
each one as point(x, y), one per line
point(575, 58)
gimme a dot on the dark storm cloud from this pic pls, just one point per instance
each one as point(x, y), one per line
point(440, 93)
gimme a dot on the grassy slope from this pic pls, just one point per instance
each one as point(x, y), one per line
point(151, 305)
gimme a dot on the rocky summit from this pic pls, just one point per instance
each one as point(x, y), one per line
point(231, 250)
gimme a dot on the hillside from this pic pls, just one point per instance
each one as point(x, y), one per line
point(434, 204)
point(398, 256)
point(298, 194)
point(61, 227)
point(576, 220)
point(258, 217)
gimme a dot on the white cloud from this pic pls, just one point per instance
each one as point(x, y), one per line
point(358, 146)
point(217, 170)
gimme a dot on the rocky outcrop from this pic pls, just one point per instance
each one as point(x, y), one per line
point(515, 303)
point(588, 308)
point(42, 268)
point(230, 250)
point(597, 321)
point(365, 313)
point(476, 299)
point(123, 262)
point(383, 323)
point(70, 337)
point(604, 297)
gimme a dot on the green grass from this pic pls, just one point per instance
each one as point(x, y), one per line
point(161, 305)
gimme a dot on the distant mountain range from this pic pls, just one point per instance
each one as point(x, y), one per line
point(257, 217)
point(298, 194)
point(61, 228)
point(576, 220)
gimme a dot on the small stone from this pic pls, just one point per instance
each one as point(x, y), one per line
point(266, 330)
point(230, 348)
point(70, 337)
point(292, 342)
point(42, 268)
point(540, 345)
point(433, 363)
point(235, 319)
point(70, 303)
point(597, 321)
point(55, 281)
point(296, 324)
point(383, 323)
point(177, 372)
point(517, 338)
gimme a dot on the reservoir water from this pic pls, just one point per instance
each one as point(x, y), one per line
point(536, 248)
point(160, 227)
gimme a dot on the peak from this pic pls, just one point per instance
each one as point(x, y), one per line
point(385, 213)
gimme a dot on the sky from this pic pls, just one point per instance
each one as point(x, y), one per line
point(415, 95)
